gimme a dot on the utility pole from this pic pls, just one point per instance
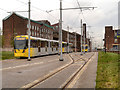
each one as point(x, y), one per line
point(81, 36)
point(75, 41)
point(61, 57)
point(68, 38)
point(59, 37)
point(29, 31)
point(84, 38)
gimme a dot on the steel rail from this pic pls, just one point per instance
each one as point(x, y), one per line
point(40, 80)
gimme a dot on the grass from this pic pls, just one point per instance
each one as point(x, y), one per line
point(108, 71)
point(7, 55)
point(0, 41)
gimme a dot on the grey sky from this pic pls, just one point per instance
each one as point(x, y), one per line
point(106, 13)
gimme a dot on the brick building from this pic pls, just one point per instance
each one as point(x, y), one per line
point(112, 42)
point(56, 33)
point(15, 24)
point(64, 36)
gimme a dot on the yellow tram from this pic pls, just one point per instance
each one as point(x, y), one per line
point(38, 46)
point(85, 47)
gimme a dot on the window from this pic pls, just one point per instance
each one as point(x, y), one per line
point(35, 33)
point(37, 28)
point(40, 35)
point(35, 43)
point(40, 30)
point(115, 40)
point(115, 47)
point(56, 27)
point(32, 27)
point(32, 32)
point(48, 31)
point(115, 33)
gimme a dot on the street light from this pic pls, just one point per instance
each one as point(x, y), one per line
point(75, 42)
point(28, 28)
point(60, 24)
point(29, 31)
point(81, 35)
point(68, 38)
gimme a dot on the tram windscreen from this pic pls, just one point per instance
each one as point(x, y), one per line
point(86, 47)
point(20, 44)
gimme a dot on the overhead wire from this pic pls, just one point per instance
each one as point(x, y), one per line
point(81, 11)
point(48, 12)
point(38, 9)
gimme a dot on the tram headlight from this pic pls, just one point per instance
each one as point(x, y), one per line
point(23, 51)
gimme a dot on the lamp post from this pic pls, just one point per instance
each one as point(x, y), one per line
point(60, 24)
point(29, 32)
point(68, 38)
point(81, 35)
point(75, 42)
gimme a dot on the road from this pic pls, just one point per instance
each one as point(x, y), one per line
point(17, 73)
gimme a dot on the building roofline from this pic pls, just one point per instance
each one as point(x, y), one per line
point(27, 19)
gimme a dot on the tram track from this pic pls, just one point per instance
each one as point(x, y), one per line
point(32, 84)
point(65, 84)
point(68, 83)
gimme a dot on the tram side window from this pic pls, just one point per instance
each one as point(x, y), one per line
point(46, 44)
point(86, 47)
point(50, 44)
point(42, 44)
point(63, 45)
point(34, 43)
point(53, 44)
point(56, 46)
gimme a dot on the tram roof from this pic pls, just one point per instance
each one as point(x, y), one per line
point(36, 38)
point(42, 39)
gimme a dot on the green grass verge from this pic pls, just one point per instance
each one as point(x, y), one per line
point(107, 70)
point(7, 55)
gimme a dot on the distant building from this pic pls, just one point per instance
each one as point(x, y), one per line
point(15, 24)
point(119, 14)
point(112, 42)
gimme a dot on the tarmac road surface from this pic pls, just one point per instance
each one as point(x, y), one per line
point(19, 72)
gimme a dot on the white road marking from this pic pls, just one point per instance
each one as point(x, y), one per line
point(46, 76)
point(53, 60)
point(21, 66)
